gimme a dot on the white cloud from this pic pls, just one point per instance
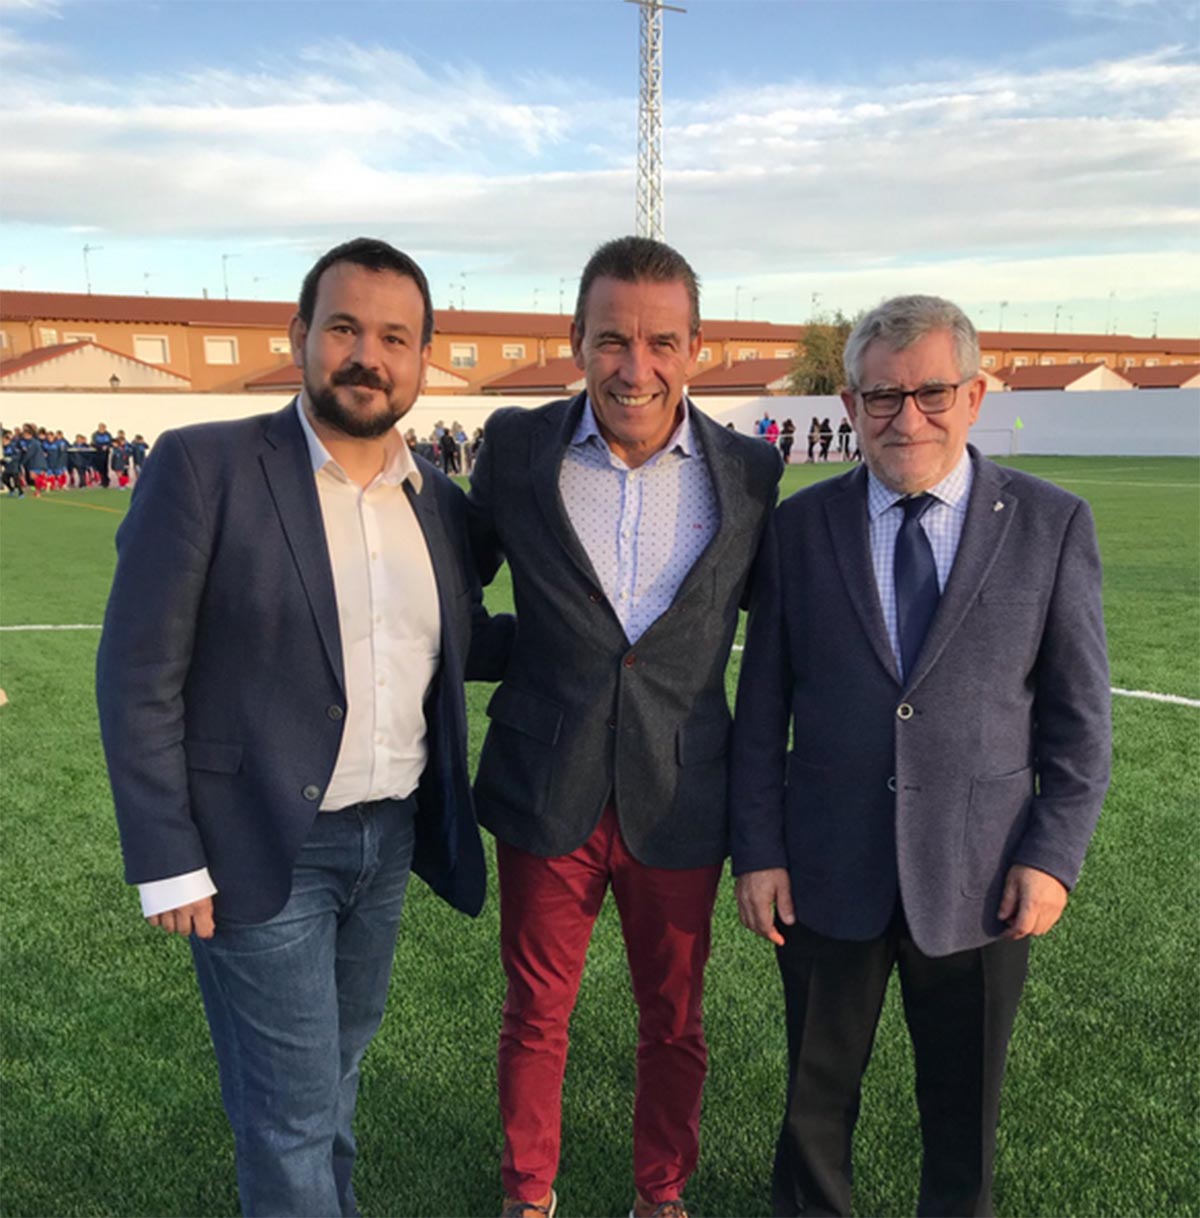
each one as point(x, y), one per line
point(1044, 171)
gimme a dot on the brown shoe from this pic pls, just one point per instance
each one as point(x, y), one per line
point(515, 1208)
point(675, 1208)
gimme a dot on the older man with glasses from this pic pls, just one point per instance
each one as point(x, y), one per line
point(946, 683)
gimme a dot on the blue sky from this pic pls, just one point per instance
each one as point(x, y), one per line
point(1038, 162)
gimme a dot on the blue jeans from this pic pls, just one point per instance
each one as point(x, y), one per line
point(293, 1002)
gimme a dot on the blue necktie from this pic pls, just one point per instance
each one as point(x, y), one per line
point(916, 581)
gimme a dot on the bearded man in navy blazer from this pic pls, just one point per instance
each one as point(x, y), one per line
point(280, 689)
point(930, 629)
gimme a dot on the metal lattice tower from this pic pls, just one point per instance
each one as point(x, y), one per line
point(649, 164)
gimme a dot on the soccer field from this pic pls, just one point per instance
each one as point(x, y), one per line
point(110, 1097)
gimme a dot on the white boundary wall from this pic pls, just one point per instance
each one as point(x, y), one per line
point(1130, 422)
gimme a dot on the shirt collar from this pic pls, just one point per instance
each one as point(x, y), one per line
point(953, 490)
point(681, 440)
point(400, 467)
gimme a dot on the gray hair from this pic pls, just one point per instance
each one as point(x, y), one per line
point(904, 320)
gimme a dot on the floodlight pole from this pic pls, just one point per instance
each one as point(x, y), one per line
point(649, 164)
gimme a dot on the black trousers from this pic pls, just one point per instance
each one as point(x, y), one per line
point(959, 1010)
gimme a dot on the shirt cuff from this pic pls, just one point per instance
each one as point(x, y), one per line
point(158, 896)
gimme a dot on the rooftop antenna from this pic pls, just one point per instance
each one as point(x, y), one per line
point(87, 270)
point(649, 165)
point(225, 272)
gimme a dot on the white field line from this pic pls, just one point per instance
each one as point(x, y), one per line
point(75, 626)
point(1146, 694)
point(1066, 478)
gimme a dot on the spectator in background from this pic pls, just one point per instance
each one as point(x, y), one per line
point(760, 428)
point(12, 466)
point(101, 443)
point(118, 458)
point(81, 460)
point(33, 459)
point(843, 434)
point(449, 451)
point(772, 434)
point(787, 437)
point(826, 438)
point(814, 437)
point(137, 454)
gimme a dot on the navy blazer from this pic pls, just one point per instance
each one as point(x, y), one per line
point(994, 751)
point(583, 716)
point(219, 674)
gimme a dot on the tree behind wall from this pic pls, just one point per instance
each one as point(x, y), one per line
point(818, 365)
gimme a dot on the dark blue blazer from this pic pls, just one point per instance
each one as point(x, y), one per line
point(219, 674)
point(995, 750)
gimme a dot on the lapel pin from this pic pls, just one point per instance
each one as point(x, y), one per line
point(998, 506)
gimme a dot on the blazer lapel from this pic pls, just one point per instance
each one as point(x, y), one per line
point(444, 565)
point(989, 514)
point(288, 469)
point(724, 469)
point(849, 531)
point(545, 460)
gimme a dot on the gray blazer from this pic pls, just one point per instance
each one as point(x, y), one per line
point(995, 751)
point(582, 716)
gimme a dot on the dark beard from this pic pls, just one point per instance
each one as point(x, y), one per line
point(327, 408)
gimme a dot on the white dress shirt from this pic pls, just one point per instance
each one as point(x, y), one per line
point(390, 629)
point(943, 524)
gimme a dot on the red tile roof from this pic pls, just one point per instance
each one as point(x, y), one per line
point(39, 355)
point(1033, 341)
point(746, 376)
point(555, 376)
point(1045, 376)
point(43, 355)
point(1170, 376)
point(76, 306)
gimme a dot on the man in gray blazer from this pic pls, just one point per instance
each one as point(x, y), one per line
point(629, 521)
point(930, 628)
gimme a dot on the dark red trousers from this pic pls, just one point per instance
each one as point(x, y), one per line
point(547, 910)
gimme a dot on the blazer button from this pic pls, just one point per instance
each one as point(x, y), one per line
point(611, 725)
point(904, 711)
point(630, 660)
point(334, 712)
point(311, 792)
point(892, 784)
point(594, 596)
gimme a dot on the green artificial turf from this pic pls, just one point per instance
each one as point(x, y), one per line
point(110, 1100)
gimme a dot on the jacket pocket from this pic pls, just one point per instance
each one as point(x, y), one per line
point(213, 756)
point(527, 713)
point(995, 820)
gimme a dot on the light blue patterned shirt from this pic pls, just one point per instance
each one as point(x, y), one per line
point(943, 525)
point(642, 528)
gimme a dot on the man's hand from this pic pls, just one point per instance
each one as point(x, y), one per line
point(761, 894)
point(195, 918)
point(1032, 902)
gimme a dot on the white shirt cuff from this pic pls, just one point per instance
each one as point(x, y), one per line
point(160, 895)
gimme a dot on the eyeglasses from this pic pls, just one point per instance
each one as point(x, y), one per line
point(930, 399)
